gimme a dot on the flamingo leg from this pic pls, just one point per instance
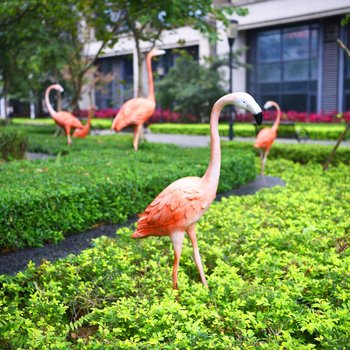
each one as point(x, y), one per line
point(263, 162)
point(69, 140)
point(137, 131)
point(177, 238)
point(191, 231)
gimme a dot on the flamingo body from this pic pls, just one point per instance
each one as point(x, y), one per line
point(85, 130)
point(134, 112)
point(176, 210)
point(138, 110)
point(177, 207)
point(63, 119)
point(267, 136)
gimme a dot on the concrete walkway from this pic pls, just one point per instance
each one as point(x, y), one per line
point(203, 141)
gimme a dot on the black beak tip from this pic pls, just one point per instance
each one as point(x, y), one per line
point(259, 118)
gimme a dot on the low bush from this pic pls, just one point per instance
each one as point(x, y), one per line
point(315, 131)
point(277, 265)
point(101, 180)
point(13, 143)
point(300, 153)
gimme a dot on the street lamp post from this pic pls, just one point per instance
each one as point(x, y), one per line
point(232, 31)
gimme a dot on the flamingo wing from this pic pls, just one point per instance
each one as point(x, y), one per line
point(265, 138)
point(178, 206)
point(134, 112)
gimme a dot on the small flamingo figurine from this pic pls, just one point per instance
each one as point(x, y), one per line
point(85, 130)
point(179, 206)
point(266, 136)
point(137, 111)
point(65, 120)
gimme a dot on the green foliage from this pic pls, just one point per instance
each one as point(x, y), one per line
point(100, 180)
point(13, 144)
point(190, 88)
point(315, 131)
point(300, 153)
point(277, 265)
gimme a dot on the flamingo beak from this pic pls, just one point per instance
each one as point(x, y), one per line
point(258, 118)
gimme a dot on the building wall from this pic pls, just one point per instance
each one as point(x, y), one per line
point(262, 14)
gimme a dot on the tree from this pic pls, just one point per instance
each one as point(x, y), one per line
point(146, 20)
point(54, 36)
point(190, 88)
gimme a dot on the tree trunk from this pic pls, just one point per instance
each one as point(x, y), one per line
point(332, 154)
point(139, 66)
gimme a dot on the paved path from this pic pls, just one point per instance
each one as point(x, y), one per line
point(202, 141)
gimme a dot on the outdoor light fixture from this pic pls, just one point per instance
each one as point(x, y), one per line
point(232, 31)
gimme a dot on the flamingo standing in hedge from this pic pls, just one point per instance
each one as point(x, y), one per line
point(179, 206)
point(137, 111)
point(85, 130)
point(266, 136)
point(65, 120)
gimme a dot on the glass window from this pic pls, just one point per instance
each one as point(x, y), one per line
point(296, 70)
point(296, 44)
point(285, 65)
point(269, 47)
point(269, 72)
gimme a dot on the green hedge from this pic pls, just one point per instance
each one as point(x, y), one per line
point(13, 143)
point(315, 131)
point(101, 180)
point(277, 265)
point(301, 153)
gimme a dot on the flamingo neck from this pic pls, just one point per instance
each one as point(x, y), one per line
point(90, 114)
point(212, 173)
point(278, 118)
point(48, 104)
point(150, 78)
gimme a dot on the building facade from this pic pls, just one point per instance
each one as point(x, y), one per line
point(292, 55)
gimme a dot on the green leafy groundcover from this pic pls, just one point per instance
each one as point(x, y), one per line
point(315, 131)
point(101, 180)
point(277, 265)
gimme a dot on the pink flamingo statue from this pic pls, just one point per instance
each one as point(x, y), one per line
point(85, 130)
point(65, 120)
point(266, 136)
point(137, 111)
point(179, 206)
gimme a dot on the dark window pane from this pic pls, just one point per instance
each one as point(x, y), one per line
point(296, 44)
point(314, 69)
point(314, 43)
point(296, 70)
point(347, 102)
point(271, 87)
point(269, 72)
point(294, 103)
point(300, 86)
point(269, 47)
point(313, 103)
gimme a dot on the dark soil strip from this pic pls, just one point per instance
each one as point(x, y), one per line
point(13, 262)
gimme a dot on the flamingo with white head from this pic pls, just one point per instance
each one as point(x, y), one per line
point(179, 206)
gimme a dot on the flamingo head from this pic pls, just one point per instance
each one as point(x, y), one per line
point(58, 87)
point(245, 101)
point(156, 52)
point(268, 104)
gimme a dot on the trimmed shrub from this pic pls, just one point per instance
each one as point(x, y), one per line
point(13, 143)
point(46, 200)
point(300, 153)
point(315, 131)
